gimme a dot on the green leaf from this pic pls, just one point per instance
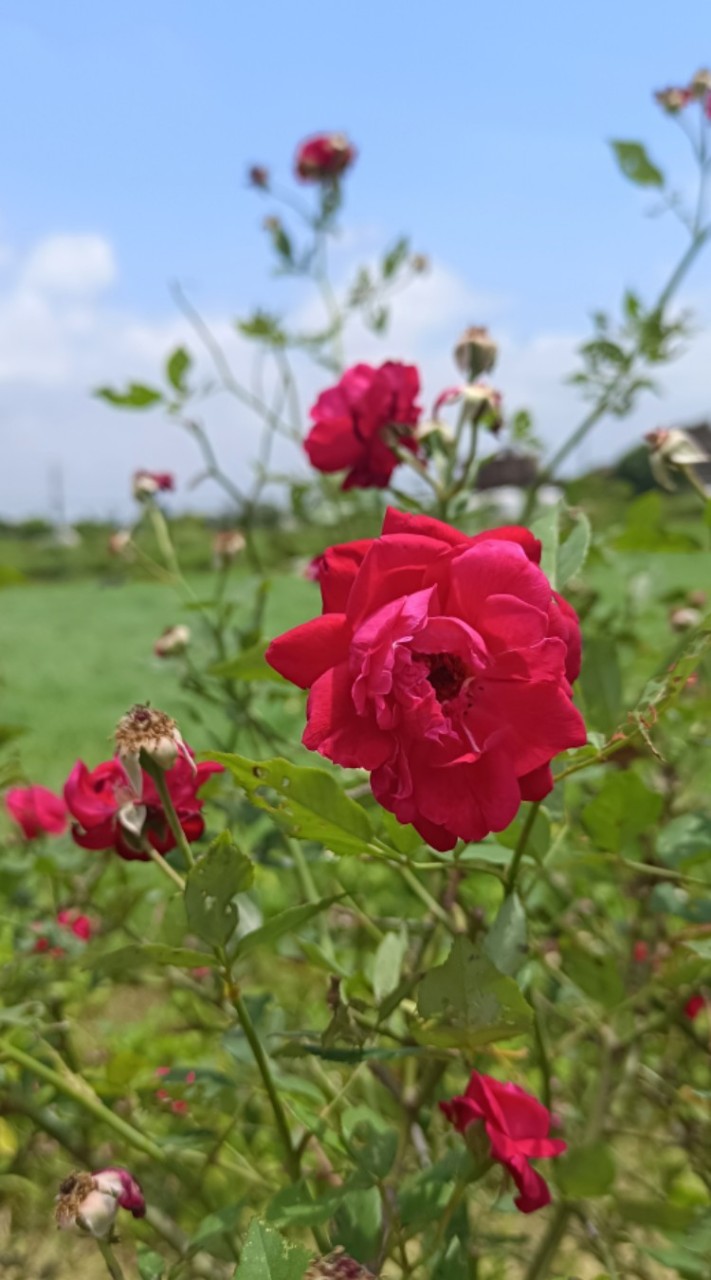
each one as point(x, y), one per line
point(216, 1232)
point(289, 921)
point(176, 367)
point(601, 683)
point(468, 1003)
point(636, 164)
point(294, 1207)
point(572, 553)
point(661, 1214)
point(547, 528)
point(263, 327)
point(249, 665)
point(267, 1256)
point(222, 872)
point(372, 1142)
point(597, 975)
point(387, 965)
point(685, 841)
point(505, 943)
point(307, 803)
point(621, 810)
point(150, 1265)
point(136, 396)
point(121, 959)
point(395, 257)
point(359, 1222)
point(586, 1171)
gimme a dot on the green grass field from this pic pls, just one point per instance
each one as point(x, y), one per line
point(74, 656)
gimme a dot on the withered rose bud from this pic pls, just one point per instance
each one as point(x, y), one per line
point(173, 641)
point(226, 546)
point(475, 352)
point(258, 176)
point(119, 542)
point(684, 619)
point(89, 1202)
point(698, 599)
point(420, 263)
point(672, 450)
point(700, 84)
point(145, 730)
point(272, 223)
point(147, 483)
point(673, 100)
point(338, 1266)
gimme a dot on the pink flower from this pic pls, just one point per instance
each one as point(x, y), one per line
point(109, 815)
point(517, 1126)
point(443, 665)
point(36, 811)
point(324, 157)
point(357, 422)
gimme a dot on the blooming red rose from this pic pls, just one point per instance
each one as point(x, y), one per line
point(517, 1126)
point(108, 813)
point(324, 157)
point(36, 811)
point(443, 664)
point(352, 421)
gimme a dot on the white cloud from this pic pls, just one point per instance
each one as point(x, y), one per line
point(60, 337)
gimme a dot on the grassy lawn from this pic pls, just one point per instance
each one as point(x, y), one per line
point(74, 656)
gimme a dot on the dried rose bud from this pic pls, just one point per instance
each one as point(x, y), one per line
point(698, 599)
point(119, 542)
point(151, 732)
point(147, 483)
point(475, 352)
point(672, 450)
point(272, 223)
point(700, 84)
point(420, 263)
point(673, 100)
point(90, 1201)
point(684, 619)
point(172, 641)
point(258, 176)
point(338, 1266)
point(227, 544)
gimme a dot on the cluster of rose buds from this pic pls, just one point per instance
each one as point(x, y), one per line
point(178, 1106)
point(69, 918)
point(90, 1202)
point(676, 98)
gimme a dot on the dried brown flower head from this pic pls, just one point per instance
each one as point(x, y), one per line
point(338, 1266)
point(149, 731)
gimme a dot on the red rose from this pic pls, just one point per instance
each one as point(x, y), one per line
point(109, 814)
point(517, 1126)
point(324, 157)
point(694, 1006)
point(79, 925)
point(36, 811)
point(350, 421)
point(443, 664)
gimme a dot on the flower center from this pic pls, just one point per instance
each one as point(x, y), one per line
point(447, 674)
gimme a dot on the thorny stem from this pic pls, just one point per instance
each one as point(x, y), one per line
point(112, 1263)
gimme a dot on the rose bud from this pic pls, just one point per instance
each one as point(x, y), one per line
point(694, 1006)
point(227, 544)
point(419, 263)
point(324, 157)
point(673, 100)
point(337, 1266)
point(475, 352)
point(258, 176)
point(672, 450)
point(698, 599)
point(90, 1201)
point(700, 84)
point(174, 640)
point(684, 619)
point(78, 924)
point(119, 542)
point(145, 730)
point(37, 811)
point(148, 483)
point(640, 952)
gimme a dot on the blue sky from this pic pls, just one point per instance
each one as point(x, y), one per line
point(481, 130)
